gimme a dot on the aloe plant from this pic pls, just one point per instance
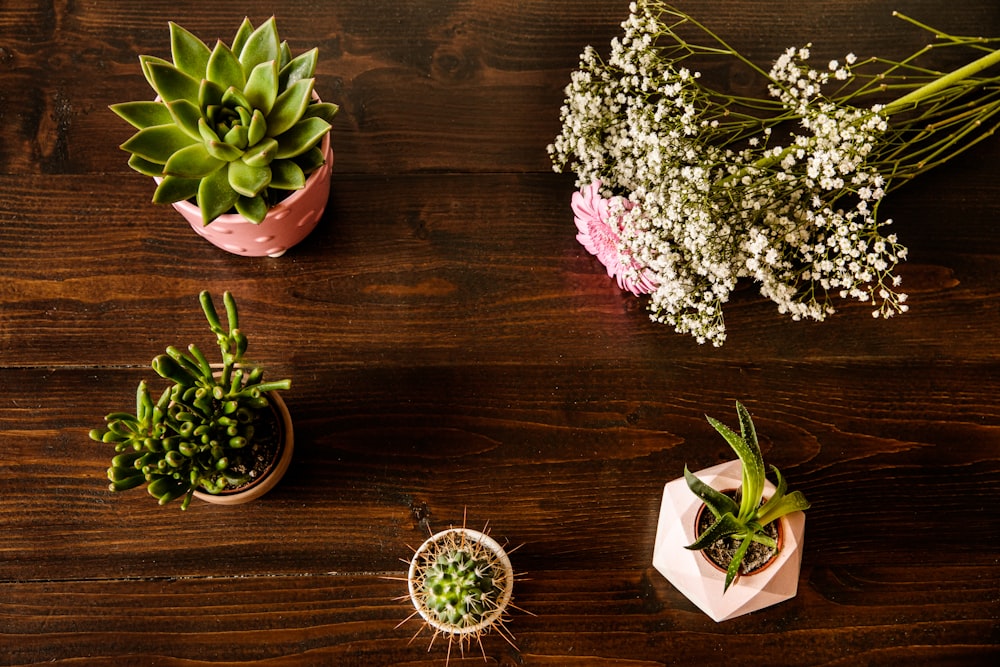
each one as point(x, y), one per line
point(745, 520)
point(198, 434)
point(233, 127)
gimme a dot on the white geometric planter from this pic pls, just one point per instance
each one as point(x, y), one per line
point(700, 581)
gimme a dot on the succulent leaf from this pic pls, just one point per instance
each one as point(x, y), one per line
point(253, 209)
point(734, 564)
point(301, 67)
point(324, 110)
point(186, 116)
point(224, 68)
point(223, 151)
point(145, 167)
point(248, 181)
point(170, 83)
point(215, 195)
point(143, 114)
point(262, 45)
point(718, 503)
point(173, 189)
point(261, 154)
point(157, 143)
point(262, 86)
point(286, 175)
point(189, 53)
point(725, 526)
point(289, 108)
point(301, 137)
point(242, 33)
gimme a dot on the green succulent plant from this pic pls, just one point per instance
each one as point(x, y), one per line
point(233, 127)
point(199, 433)
point(745, 520)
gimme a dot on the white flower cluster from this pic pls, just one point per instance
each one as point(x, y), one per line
point(717, 196)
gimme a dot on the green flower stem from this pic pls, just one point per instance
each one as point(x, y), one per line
point(912, 99)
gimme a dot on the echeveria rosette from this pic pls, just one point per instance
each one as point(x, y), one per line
point(744, 521)
point(232, 127)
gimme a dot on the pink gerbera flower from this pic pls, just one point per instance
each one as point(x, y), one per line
point(599, 232)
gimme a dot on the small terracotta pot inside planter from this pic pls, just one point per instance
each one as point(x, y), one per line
point(285, 225)
point(774, 530)
point(505, 582)
point(273, 473)
point(700, 580)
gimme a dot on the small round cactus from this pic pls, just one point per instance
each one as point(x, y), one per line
point(460, 582)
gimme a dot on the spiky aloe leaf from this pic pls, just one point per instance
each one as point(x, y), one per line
point(717, 502)
point(734, 565)
point(725, 526)
point(748, 452)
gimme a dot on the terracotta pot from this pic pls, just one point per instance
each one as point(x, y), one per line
point(285, 225)
point(700, 580)
point(497, 554)
point(273, 474)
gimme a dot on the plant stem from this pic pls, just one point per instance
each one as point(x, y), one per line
point(913, 98)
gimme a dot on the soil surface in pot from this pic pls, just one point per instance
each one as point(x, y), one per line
point(721, 552)
point(260, 455)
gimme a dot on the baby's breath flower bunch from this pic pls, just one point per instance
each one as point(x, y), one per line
point(696, 188)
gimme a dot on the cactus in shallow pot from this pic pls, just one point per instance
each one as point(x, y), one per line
point(233, 127)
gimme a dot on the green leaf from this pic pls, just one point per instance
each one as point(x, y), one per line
point(173, 189)
point(301, 67)
point(289, 107)
point(207, 133)
point(244, 31)
point(143, 114)
point(311, 160)
point(224, 68)
point(262, 45)
point(215, 195)
point(748, 451)
point(145, 167)
point(192, 162)
point(716, 501)
point(237, 137)
point(301, 137)
point(157, 143)
point(146, 61)
point(253, 209)
point(261, 154)
point(325, 110)
point(209, 94)
point(186, 115)
point(248, 181)
point(726, 525)
point(234, 98)
point(262, 86)
point(257, 128)
point(189, 53)
point(170, 83)
point(286, 175)
point(223, 151)
point(793, 502)
point(734, 565)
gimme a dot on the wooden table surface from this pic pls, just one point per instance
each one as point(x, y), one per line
point(454, 350)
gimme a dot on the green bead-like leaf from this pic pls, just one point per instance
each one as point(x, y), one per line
point(262, 86)
point(189, 53)
point(253, 209)
point(157, 143)
point(186, 115)
point(224, 68)
point(215, 195)
point(262, 153)
point(261, 45)
point(173, 189)
point(301, 67)
point(248, 181)
point(192, 162)
point(289, 108)
point(143, 114)
point(286, 175)
point(172, 84)
point(301, 137)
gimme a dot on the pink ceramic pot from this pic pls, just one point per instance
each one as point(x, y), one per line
point(284, 225)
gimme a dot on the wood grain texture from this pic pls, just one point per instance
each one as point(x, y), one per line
point(454, 350)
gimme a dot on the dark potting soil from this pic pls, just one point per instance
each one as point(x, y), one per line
point(721, 552)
